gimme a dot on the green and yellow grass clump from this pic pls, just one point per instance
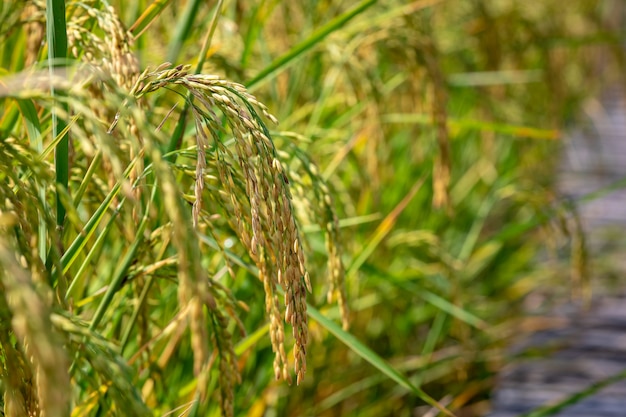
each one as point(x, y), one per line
point(109, 313)
point(159, 227)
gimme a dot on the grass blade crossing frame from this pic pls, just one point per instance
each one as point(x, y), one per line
point(315, 38)
point(57, 53)
point(370, 356)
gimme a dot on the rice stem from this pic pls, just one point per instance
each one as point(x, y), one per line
point(57, 53)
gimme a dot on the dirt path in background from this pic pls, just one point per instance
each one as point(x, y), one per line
point(586, 348)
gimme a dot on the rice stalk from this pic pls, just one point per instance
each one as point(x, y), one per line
point(265, 224)
point(112, 135)
point(110, 371)
point(195, 290)
point(45, 385)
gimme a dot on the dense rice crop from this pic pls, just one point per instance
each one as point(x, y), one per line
point(282, 208)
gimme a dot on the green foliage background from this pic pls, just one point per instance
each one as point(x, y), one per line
point(429, 129)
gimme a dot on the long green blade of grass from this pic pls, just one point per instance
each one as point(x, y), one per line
point(57, 53)
point(314, 39)
point(444, 305)
point(370, 356)
point(93, 251)
point(90, 227)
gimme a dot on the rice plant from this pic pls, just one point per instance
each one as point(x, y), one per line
point(163, 221)
point(174, 218)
